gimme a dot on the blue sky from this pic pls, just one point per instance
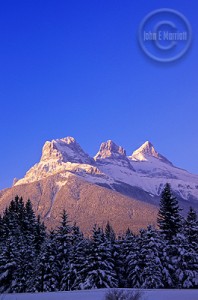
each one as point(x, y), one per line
point(75, 68)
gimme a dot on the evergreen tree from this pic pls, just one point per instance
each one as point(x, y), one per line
point(76, 235)
point(119, 262)
point(2, 230)
point(25, 219)
point(77, 259)
point(134, 265)
point(151, 246)
point(185, 263)
point(180, 259)
point(144, 267)
point(5, 225)
point(19, 239)
point(37, 282)
point(64, 243)
point(9, 256)
point(110, 233)
point(8, 265)
point(115, 247)
point(126, 245)
point(99, 266)
point(29, 219)
point(40, 235)
point(51, 268)
point(24, 268)
point(191, 229)
point(169, 218)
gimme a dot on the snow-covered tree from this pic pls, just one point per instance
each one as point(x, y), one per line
point(151, 246)
point(19, 231)
point(40, 235)
point(63, 239)
point(77, 259)
point(144, 263)
point(184, 260)
point(169, 218)
point(8, 265)
point(99, 265)
point(125, 246)
point(51, 277)
point(191, 229)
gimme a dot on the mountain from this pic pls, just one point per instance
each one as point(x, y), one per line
point(153, 170)
point(146, 151)
point(64, 150)
point(111, 186)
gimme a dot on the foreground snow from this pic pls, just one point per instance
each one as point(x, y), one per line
point(100, 295)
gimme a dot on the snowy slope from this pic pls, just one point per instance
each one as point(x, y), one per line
point(100, 295)
point(149, 171)
point(145, 169)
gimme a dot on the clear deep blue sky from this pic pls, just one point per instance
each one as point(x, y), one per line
point(75, 68)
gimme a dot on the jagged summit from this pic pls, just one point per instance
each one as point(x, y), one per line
point(65, 150)
point(110, 150)
point(146, 151)
point(110, 153)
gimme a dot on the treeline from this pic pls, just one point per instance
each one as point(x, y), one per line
point(34, 260)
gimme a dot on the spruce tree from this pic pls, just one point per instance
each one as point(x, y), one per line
point(144, 267)
point(127, 245)
point(51, 267)
point(40, 235)
point(116, 253)
point(184, 262)
point(151, 247)
point(18, 249)
point(110, 233)
point(191, 229)
point(169, 218)
point(36, 283)
point(134, 264)
point(8, 265)
point(63, 239)
point(99, 266)
point(77, 259)
point(2, 230)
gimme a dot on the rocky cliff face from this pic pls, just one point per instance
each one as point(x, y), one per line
point(110, 153)
point(63, 151)
point(110, 150)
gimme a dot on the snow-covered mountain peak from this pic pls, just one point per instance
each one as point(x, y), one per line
point(110, 150)
point(65, 150)
point(147, 149)
point(110, 153)
point(146, 152)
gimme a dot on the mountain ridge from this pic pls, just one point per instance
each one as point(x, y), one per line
point(91, 189)
point(145, 169)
